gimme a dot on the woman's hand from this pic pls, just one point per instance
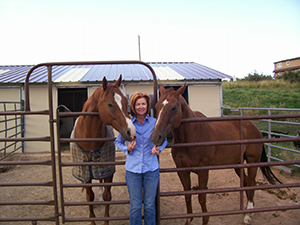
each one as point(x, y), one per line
point(155, 151)
point(131, 145)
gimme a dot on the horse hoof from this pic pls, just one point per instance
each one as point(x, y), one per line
point(247, 220)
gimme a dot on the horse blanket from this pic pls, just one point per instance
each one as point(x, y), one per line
point(106, 153)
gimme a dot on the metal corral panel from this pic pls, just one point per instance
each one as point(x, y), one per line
point(130, 72)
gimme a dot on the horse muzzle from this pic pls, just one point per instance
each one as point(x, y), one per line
point(157, 139)
point(128, 135)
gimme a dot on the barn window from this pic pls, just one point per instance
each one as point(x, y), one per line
point(73, 98)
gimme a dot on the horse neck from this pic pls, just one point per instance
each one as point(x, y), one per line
point(183, 132)
point(187, 112)
point(90, 126)
point(180, 132)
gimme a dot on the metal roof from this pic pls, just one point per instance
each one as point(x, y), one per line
point(130, 72)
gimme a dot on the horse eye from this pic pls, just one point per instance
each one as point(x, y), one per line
point(110, 105)
point(174, 108)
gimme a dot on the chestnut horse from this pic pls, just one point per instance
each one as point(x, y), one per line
point(171, 109)
point(111, 106)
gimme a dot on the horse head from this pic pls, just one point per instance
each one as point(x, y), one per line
point(168, 113)
point(112, 108)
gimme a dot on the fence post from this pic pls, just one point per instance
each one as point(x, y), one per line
point(269, 136)
point(22, 125)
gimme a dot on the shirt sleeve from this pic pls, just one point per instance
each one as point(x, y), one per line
point(162, 147)
point(120, 143)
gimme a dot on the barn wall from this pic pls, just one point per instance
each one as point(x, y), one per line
point(11, 94)
point(146, 88)
point(91, 90)
point(205, 99)
point(202, 98)
point(38, 125)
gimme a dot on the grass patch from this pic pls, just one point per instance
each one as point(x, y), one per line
point(262, 94)
point(266, 94)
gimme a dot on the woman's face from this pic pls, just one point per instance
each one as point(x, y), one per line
point(141, 106)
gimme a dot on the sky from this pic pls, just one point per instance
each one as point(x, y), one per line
point(235, 37)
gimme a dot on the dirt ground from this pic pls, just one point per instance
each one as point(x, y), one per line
point(169, 205)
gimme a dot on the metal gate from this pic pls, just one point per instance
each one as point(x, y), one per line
point(12, 126)
point(241, 166)
point(58, 202)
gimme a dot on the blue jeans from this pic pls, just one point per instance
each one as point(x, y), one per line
point(139, 184)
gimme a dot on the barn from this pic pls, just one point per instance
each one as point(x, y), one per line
point(73, 84)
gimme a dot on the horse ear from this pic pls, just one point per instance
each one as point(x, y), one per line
point(104, 83)
point(119, 81)
point(180, 90)
point(161, 88)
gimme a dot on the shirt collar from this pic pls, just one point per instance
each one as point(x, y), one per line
point(135, 119)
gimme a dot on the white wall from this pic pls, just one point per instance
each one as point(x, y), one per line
point(205, 99)
point(38, 125)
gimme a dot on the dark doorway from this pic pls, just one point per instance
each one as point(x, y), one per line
point(73, 99)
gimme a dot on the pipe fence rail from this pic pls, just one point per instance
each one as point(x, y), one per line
point(272, 127)
point(11, 126)
point(240, 189)
point(58, 185)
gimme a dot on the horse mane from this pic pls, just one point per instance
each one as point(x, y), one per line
point(196, 113)
point(199, 114)
point(89, 105)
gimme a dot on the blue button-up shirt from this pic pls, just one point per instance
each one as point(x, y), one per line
point(141, 159)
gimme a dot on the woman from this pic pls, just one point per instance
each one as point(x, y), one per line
point(142, 168)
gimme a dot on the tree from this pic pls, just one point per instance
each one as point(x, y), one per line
point(293, 77)
point(257, 77)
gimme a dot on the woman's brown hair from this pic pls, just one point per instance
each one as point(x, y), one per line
point(134, 97)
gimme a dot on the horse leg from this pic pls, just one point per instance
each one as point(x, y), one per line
point(202, 182)
point(101, 192)
point(250, 194)
point(249, 180)
point(107, 197)
point(90, 198)
point(186, 183)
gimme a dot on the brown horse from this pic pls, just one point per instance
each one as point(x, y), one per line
point(171, 109)
point(111, 106)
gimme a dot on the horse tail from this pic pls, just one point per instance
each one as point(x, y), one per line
point(266, 170)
